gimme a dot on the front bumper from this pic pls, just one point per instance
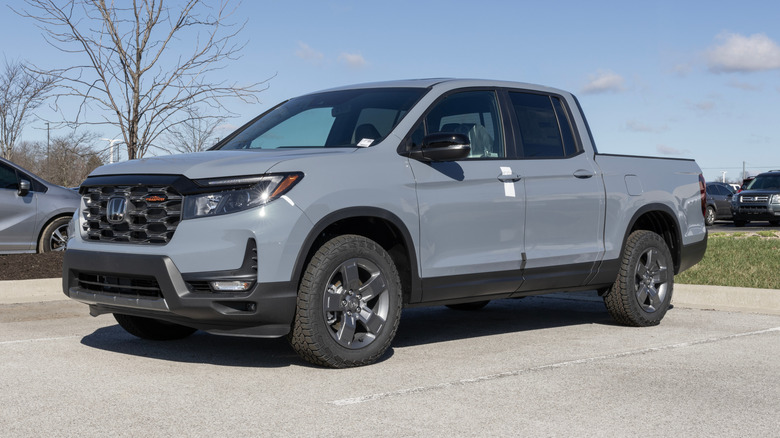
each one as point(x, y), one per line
point(151, 286)
point(749, 212)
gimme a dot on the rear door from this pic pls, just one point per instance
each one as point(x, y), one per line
point(564, 194)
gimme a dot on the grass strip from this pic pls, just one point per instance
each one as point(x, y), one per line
point(739, 260)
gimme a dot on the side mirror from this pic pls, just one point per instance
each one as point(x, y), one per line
point(24, 188)
point(443, 146)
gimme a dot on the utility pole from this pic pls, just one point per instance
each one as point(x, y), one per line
point(744, 175)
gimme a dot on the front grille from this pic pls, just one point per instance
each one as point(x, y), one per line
point(116, 285)
point(150, 216)
point(753, 209)
point(755, 199)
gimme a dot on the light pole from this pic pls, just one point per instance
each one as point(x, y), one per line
point(111, 142)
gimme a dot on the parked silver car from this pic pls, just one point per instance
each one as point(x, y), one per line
point(34, 213)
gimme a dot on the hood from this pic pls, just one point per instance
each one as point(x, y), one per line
point(212, 164)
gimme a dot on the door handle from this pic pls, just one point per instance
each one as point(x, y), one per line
point(509, 178)
point(583, 174)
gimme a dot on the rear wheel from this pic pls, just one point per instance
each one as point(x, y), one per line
point(349, 304)
point(154, 329)
point(642, 292)
point(709, 217)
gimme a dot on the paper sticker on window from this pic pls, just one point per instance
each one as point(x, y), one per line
point(366, 142)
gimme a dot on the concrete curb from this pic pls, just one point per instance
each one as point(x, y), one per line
point(736, 299)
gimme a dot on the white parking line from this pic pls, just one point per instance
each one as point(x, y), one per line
point(23, 341)
point(487, 378)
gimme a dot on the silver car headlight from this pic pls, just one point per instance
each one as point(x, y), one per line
point(237, 194)
point(775, 199)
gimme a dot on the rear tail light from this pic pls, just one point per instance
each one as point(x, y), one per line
point(703, 195)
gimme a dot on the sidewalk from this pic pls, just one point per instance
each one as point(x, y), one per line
point(736, 299)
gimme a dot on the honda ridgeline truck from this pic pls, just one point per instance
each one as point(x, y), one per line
point(325, 216)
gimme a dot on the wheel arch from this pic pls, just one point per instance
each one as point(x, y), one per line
point(661, 220)
point(379, 225)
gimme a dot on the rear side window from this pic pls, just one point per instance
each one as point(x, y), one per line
point(545, 129)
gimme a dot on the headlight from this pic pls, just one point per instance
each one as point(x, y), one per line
point(775, 199)
point(238, 194)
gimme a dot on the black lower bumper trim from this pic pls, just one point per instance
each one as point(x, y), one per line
point(267, 310)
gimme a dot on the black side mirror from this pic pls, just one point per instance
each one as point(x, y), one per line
point(443, 146)
point(24, 188)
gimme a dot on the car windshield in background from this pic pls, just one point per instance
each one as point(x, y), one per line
point(347, 118)
point(768, 182)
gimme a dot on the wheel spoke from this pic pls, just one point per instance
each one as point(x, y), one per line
point(642, 293)
point(371, 320)
point(655, 299)
point(373, 287)
point(332, 300)
point(349, 275)
point(346, 333)
point(661, 275)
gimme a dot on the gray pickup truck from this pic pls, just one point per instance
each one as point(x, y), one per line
point(325, 216)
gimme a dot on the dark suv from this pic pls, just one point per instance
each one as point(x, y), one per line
point(760, 201)
point(719, 197)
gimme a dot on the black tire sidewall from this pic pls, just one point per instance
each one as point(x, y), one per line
point(310, 323)
point(44, 243)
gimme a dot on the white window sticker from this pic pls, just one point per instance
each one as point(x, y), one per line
point(366, 142)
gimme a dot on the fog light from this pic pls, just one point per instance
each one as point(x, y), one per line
point(231, 286)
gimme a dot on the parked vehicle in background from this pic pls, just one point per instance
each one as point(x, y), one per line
point(735, 187)
point(759, 201)
point(745, 183)
point(34, 213)
point(718, 202)
point(322, 218)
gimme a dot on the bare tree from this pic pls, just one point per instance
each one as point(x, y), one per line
point(21, 92)
point(67, 161)
point(135, 71)
point(194, 134)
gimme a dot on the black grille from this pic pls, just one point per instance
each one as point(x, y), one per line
point(151, 214)
point(115, 285)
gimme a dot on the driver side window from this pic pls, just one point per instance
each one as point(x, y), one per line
point(472, 113)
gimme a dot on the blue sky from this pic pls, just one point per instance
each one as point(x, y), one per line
point(668, 78)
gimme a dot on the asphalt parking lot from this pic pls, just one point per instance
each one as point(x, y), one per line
point(541, 366)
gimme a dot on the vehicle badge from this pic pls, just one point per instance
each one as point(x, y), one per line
point(156, 198)
point(116, 209)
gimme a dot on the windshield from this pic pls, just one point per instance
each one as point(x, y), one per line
point(765, 182)
point(347, 118)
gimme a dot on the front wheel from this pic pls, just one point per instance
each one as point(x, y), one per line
point(642, 292)
point(154, 329)
point(349, 304)
point(54, 236)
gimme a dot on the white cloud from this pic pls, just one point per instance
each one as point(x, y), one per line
point(603, 81)
point(353, 60)
point(633, 125)
point(308, 54)
point(669, 151)
point(739, 53)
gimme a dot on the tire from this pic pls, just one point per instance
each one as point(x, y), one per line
point(475, 305)
point(642, 292)
point(709, 217)
point(55, 235)
point(738, 223)
point(349, 304)
point(153, 329)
